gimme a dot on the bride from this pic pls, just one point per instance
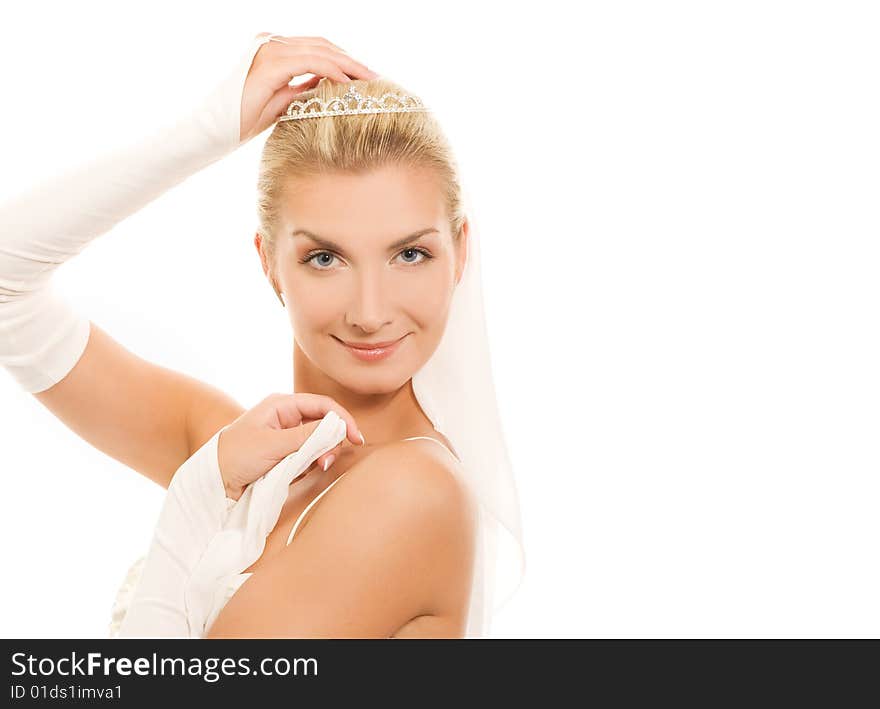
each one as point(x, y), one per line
point(363, 236)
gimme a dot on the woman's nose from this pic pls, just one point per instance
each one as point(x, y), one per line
point(369, 307)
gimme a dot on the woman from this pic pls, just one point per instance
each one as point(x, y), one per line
point(363, 236)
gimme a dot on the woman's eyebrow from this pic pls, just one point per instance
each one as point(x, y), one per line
point(327, 244)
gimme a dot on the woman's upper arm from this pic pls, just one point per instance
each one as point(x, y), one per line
point(139, 413)
point(391, 541)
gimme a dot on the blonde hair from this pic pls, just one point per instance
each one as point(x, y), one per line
point(352, 144)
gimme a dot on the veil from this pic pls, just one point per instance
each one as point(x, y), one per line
point(455, 389)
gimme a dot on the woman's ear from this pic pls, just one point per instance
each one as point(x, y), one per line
point(258, 240)
point(462, 251)
point(264, 261)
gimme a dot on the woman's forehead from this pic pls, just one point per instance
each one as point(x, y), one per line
point(376, 207)
point(385, 184)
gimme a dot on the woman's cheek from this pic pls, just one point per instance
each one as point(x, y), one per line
point(314, 305)
point(428, 296)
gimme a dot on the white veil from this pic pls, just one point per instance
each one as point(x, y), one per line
point(455, 388)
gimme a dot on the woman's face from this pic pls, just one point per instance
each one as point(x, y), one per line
point(351, 269)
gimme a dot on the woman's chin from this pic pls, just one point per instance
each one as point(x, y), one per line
point(371, 379)
point(371, 384)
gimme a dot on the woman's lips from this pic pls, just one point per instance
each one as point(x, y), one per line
point(372, 354)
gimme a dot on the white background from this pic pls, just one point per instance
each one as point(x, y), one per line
point(679, 211)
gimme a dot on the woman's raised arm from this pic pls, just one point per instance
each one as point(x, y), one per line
point(135, 411)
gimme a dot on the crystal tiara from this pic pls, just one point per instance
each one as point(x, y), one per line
point(350, 103)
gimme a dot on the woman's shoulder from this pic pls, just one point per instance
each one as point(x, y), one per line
point(393, 540)
point(413, 468)
point(398, 478)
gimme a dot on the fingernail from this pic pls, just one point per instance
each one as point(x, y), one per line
point(329, 462)
point(363, 442)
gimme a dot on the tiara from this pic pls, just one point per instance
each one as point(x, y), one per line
point(350, 103)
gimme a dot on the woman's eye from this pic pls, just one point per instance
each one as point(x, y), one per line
point(321, 258)
point(414, 253)
point(324, 259)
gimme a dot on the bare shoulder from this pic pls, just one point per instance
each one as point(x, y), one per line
point(412, 472)
point(412, 490)
point(414, 484)
point(391, 542)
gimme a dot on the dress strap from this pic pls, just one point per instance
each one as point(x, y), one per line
point(429, 438)
point(309, 506)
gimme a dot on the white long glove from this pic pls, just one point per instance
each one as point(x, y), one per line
point(203, 537)
point(41, 336)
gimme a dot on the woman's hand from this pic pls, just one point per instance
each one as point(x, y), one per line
point(267, 92)
point(257, 440)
